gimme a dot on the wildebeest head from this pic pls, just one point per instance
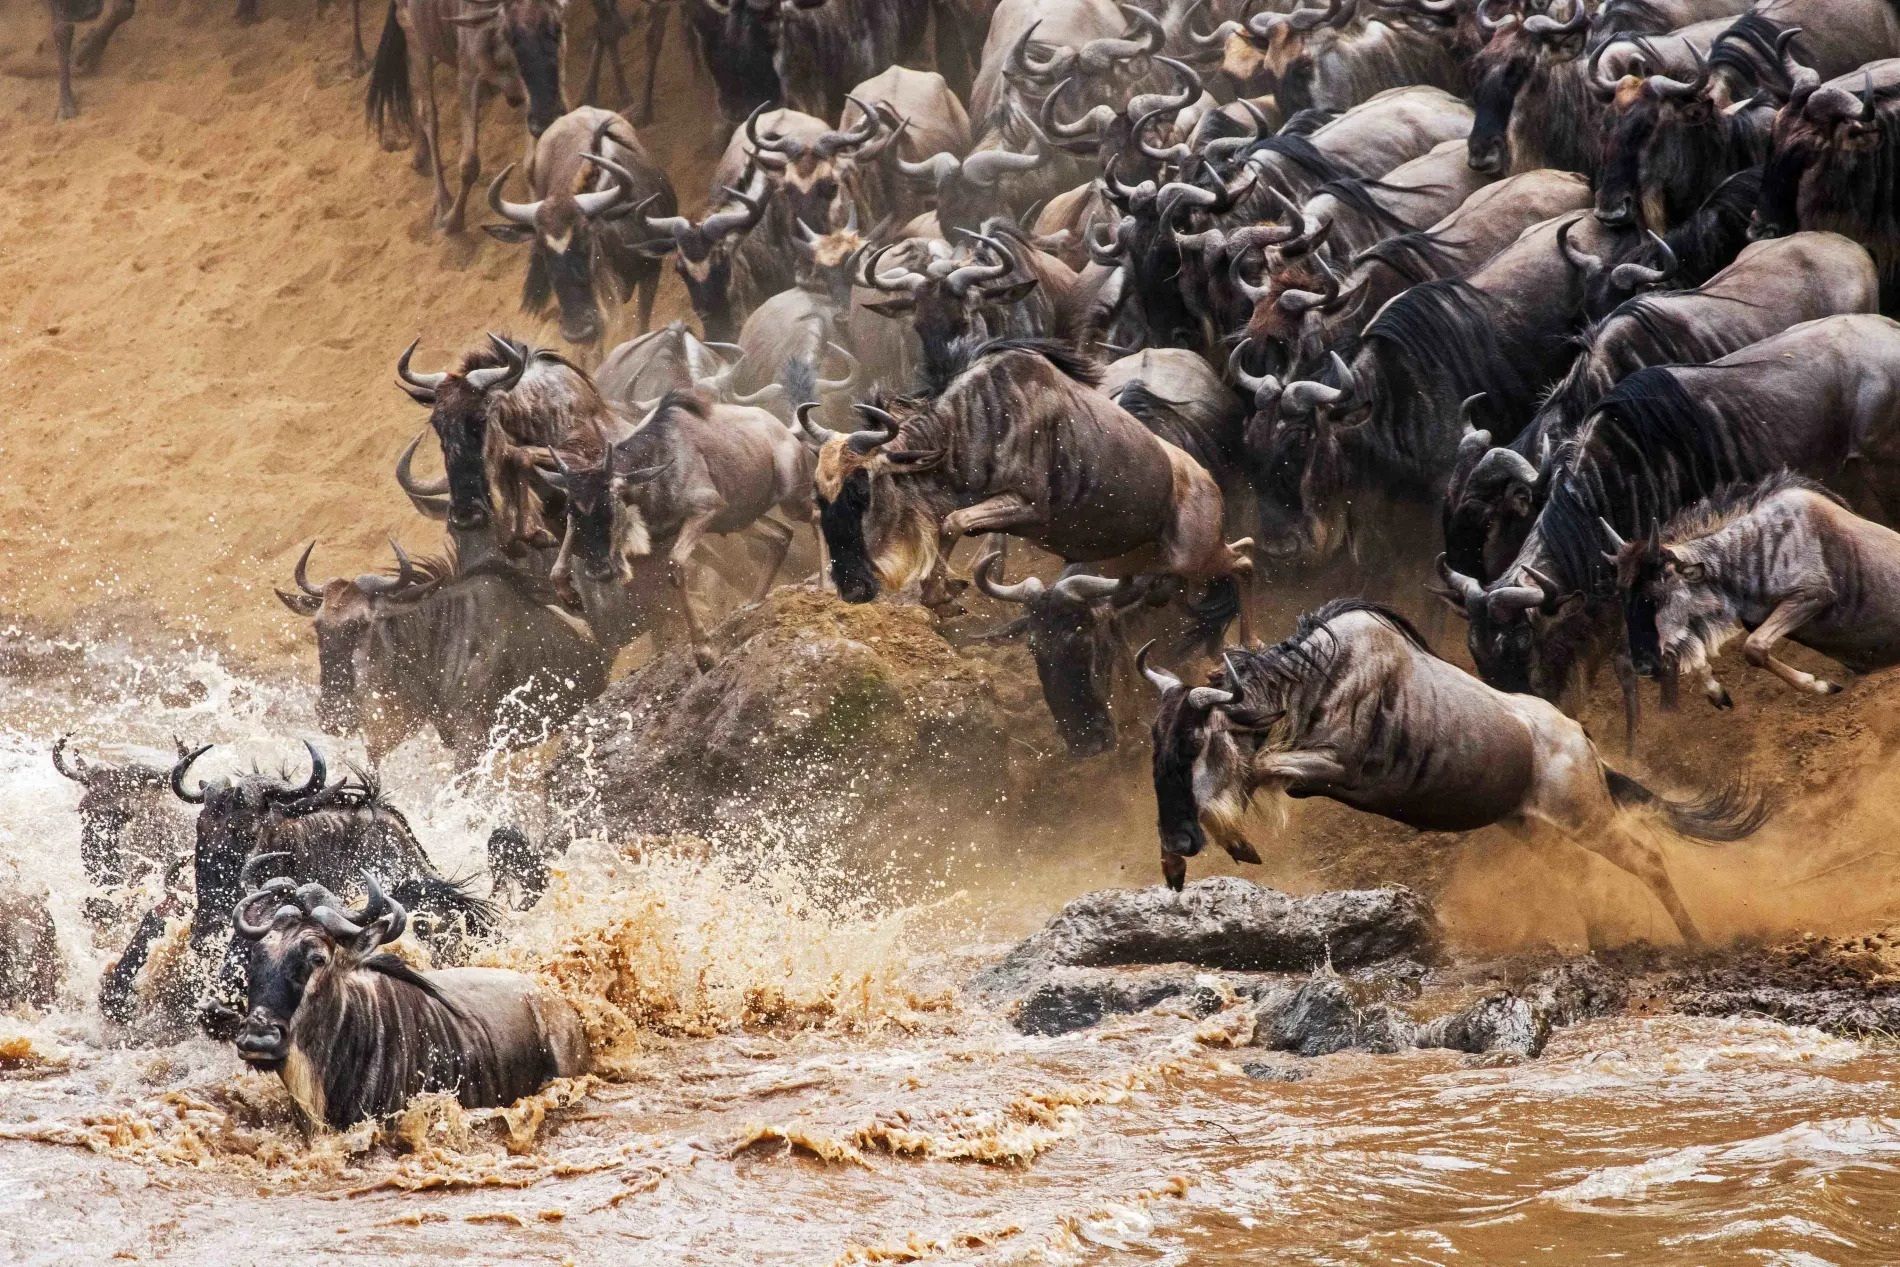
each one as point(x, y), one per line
point(951, 298)
point(297, 936)
point(704, 252)
point(813, 177)
point(1202, 752)
point(1273, 52)
point(1505, 624)
point(1816, 123)
point(1519, 53)
point(828, 259)
point(1606, 285)
point(1109, 127)
point(232, 811)
point(535, 35)
point(342, 613)
point(1071, 627)
point(970, 190)
point(1299, 463)
point(876, 539)
point(568, 258)
point(1490, 501)
point(458, 402)
point(115, 799)
point(606, 531)
point(1649, 576)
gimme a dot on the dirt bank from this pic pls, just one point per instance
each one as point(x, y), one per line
point(209, 275)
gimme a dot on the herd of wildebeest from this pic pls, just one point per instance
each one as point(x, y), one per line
point(1570, 312)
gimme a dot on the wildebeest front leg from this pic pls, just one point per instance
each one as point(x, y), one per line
point(63, 41)
point(359, 60)
point(1303, 773)
point(781, 543)
point(659, 13)
point(1005, 512)
point(471, 167)
point(1784, 620)
point(690, 534)
point(92, 49)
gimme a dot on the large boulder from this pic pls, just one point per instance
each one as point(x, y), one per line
point(818, 718)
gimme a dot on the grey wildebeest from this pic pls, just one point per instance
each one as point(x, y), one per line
point(1494, 492)
point(694, 468)
point(130, 827)
point(495, 414)
point(1784, 558)
point(588, 174)
point(67, 15)
point(514, 47)
point(482, 654)
point(1821, 399)
point(1354, 707)
point(356, 1034)
point(1019, 442)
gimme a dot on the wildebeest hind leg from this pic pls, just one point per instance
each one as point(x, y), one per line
point(93, 48)
point(63, 41)
point(359, 61)
point(1622, 849)
point(1787, 617)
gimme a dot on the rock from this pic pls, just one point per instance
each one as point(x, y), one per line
point(1322, 1015)
point(817, 715)
point(1077, 1000)
point(1849, 1013)
point(1263, 1072)
point(1221, 922)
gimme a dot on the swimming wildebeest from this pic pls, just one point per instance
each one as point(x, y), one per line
point(1356, 708)
point(1784, 558)
point(482, 654)
point(130, 826)
point(1020, 442)
point(356, 1034)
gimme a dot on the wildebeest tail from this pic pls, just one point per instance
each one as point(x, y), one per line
point(1209, 617)
point(388, 107)
point(446, 899)
point(1731, 812)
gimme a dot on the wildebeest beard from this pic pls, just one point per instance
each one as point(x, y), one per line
point(842, 521)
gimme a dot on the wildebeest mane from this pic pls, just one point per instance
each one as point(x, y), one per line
point(1748, 46)
point(1710, 239)
point(1648, 450)
point(1312, 649)
point(1304, 155)
point(1355, 193)
point(1737, 500)
point(1188, 426)
point(1306, 122)
point(1066, 359)
point(1444, 328)
point(1419, 257)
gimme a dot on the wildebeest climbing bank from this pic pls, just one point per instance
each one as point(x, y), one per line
point(970, 631)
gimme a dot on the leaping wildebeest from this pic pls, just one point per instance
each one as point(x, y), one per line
point(1354, 707)
point(356, 1034)
point(588, 175)
point(1784, 558)
point(514, 47)
point(1019, 442)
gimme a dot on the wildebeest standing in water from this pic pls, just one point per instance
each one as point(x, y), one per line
point(356, 1034)
point(514, 47)
point(67, 15)
point(588, 175)
point(1356, 708)
point(130, 825)
point(1781, 559)
point(481, 655)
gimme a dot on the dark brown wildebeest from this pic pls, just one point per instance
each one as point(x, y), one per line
point(610, 27)
point(514, 47)
point(1784, 558)
point(1494, 492)
point(481, 655)
point(589, 174)
point(694, 468)
point(67, 15)
point(1333, 58)
point(1354, 707)
point(130, 826)
point(826, 46)
point(495, 414)
point(1019, 442)
point(356, 1034)
point(30, 961)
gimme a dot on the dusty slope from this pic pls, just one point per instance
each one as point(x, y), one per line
point(207, 278)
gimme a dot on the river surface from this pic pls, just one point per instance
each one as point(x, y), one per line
point(791, 1077)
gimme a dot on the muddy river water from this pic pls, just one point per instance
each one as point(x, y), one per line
point(792, 1077)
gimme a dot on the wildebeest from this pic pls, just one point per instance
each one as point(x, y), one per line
point(514, 47)
point(735, 41)
point(1820, 399)
point(129, 825)
point(826, 46)
point(30, 961)
point(1494, 492)
point(1835, 151)
point(1356, 708)
point(67, 15)
point(495, 414)
point(482, 654)
point(694, 468)
point(1784, 558)
point(1334, 57)
point(356, 1034)
point(588, 173)
point(1019, 442)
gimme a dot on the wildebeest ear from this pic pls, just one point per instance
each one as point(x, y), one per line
point(302, 604)
point(902, 306)
point(1013, 294)
point(509, 232)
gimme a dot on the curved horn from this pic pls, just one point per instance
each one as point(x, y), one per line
point(406, 480)
point(178, 776)
point(854, 372)
point(1085, 129)
point(1144, 36)
point(260, 865)
point(1581, 260)
point(1664, 86)
point(1466, 589)
point(1027, 590)
point(1637, 276)
point(1083, 589)
point(934, 170)
point(722, 224)
point(985, 168)
point(965, 276)
point(813, 433)
point(253, 929)
point(78, 771)
point(878, 436)
point(521, 213)
point(1306, 396)
point(1163, 680)
point(909, 281)
point(1153, 103)
point(302, 572)
point(1604, 88)
point(312, 785)
point(1544, 27)
point(501, 377)
point(1264, 389)
point(600, 201)
point(422, 387)
point(850, 138)
point(1490, 25)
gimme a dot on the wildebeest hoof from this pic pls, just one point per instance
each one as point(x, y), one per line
point(1174, 870)
point(1824, 687)
point(704, 658)
point(1721, 698)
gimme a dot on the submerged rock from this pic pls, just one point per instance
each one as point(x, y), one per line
point(1222, 922)
point(817, 714)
